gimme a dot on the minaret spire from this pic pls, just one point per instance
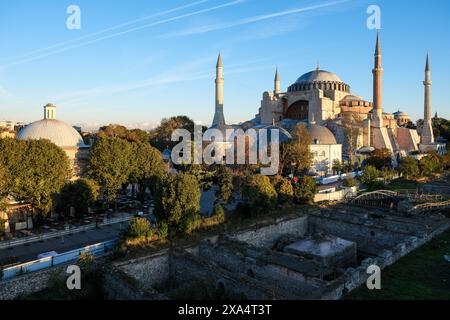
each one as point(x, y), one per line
point(219, 119)
point(377, 113)
point(277, 83)
point(427, 136)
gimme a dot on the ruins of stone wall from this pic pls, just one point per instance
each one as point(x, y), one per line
point(151, 269)
point(29, 283)
point(267, 235)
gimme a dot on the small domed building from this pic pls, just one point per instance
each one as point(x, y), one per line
point(402, 118)
point(61, 134)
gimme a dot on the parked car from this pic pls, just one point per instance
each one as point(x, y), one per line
point(47, 254)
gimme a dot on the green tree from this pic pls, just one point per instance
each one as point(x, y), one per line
point(387, 174)
point(225, 182)
point(79, 194)
point(431, 163)
point(349, 182)
point(177, 203)
point(119, 131)
point(409, 168)
point(110, 164)
point(284, 189)
point(337, 166)
point(305, 190)
point(138, 227)
point(370, 176)
point(35, 170)
point(380, 158)
point(258, 194)
point(147, 166)
point(160, 137)
point(295, 155)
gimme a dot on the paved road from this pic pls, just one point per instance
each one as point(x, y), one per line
point(29, 252)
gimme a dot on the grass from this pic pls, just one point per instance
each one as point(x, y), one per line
point(423, 274)
point(403, 184)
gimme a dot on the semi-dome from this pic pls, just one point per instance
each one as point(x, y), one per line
point(320, 134)
point(58, 132)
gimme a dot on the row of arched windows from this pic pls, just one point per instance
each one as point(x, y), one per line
point(321, 86)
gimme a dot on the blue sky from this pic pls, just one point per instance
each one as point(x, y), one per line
point(135, 62)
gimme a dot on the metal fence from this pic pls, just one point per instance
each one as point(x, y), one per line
point(59, 233)
point(97, 249)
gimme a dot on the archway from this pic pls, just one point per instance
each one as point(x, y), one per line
point(299, 110)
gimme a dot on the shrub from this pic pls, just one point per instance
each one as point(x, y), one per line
point(370, 176)
point(219, 212)
point(349, 182)
point(85, 259)
point(163, 230)
point(138, 227)
point(409, 167)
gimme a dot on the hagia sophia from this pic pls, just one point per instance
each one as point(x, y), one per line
point(319, 99)
point(326, 105)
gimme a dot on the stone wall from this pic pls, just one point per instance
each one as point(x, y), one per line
point(266, 236)
point(29, 283)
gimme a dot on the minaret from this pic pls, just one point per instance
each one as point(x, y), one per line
point(49, 112)
point(377, 112)
point(277, 83)
point(219, 119)
point(427, 136)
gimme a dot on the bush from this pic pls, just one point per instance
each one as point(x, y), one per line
point(370, 176)
point(163, 230)
point(349, 182)
point(138, 227)
point(409, 167)
point(225, 182)
point(85, 259)
point(219, 212)
point(305, 190)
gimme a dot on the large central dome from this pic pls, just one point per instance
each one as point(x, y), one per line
point(318, 76)
point(319, 80)
point(58, 132)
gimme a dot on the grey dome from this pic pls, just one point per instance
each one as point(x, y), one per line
point(58, 132)
point(320, 134)
point(318, 76)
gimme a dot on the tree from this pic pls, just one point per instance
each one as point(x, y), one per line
point(370, 176)
point(138, 227)
point(258, 194)
point(35, 170)
point(110, 164)
point(177, 203)
point(225, 183)
point(146, 167)
point(431, 163)
point(160, 137)
point(380, 158)
point(284, 189)
point(305, 190)
point(349, 182)
point(119, 131)
point(79, 194)
point(409, 167)
point(337, 166)
point(295, 155)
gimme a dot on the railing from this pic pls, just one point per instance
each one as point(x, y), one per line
point(45, 263)
point(59, 233)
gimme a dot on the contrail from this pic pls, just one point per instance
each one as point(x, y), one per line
point(159, 14)
point(235, 2)
point(222, 26)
